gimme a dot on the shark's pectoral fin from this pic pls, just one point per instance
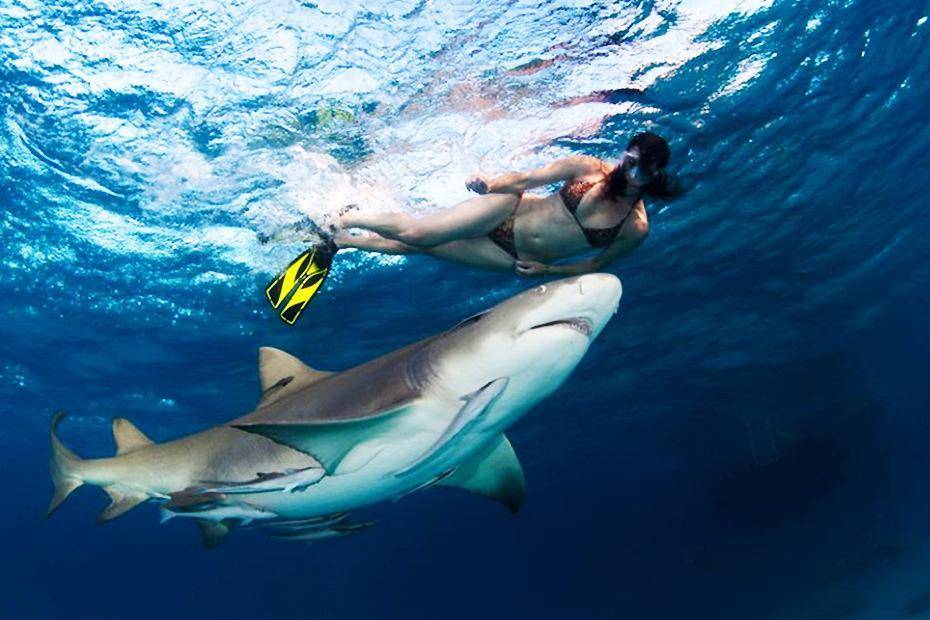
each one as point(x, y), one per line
point(121, 502)
point(214, 532)
point(328, 443)
point(476, 405)
point(494, 473)
point(128, 437)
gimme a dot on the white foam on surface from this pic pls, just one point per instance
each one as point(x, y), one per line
point(250, 120)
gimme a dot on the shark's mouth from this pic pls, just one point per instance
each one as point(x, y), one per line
point(579, 324)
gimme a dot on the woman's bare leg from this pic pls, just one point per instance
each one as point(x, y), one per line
point(475, 217)
point(374, 243)
point(480, 252)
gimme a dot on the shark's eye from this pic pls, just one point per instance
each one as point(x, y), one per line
point(541, 289)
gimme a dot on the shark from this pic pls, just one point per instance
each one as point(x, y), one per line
point(321, 444)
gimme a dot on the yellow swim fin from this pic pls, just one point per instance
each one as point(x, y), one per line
point(293, 288)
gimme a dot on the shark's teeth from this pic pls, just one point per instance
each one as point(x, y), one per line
point(579, 324)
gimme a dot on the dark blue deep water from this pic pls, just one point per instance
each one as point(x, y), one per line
point(747, 439)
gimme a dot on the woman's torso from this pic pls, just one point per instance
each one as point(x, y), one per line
point(545, 230)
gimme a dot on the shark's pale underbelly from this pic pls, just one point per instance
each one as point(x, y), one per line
point(368, 474)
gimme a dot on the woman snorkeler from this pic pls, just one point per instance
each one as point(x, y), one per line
point(598, 206)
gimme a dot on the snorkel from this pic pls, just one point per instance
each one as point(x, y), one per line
point(642, 169)
point(636, 174)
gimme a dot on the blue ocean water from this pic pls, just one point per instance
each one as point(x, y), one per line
point(748, 437)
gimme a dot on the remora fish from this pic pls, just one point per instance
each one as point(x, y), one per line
point(211, 507)
point(291, 481)
point(378, 430)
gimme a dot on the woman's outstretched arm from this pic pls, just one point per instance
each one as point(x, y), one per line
point(518, 182)
point(624, 244)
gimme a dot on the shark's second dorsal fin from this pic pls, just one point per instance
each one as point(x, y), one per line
point(128, 437)
point(280, 373)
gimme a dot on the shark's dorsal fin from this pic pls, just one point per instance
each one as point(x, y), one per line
point(281, 373)
point(494, 473)
point(128, 437)
point(275, 364)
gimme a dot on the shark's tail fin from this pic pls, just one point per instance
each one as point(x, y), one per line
point(62, 463)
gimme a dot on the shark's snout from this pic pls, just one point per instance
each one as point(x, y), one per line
point(583, 303)
point(599, 297)
point(601, 285)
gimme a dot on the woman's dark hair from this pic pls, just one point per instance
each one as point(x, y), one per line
point(653, 154)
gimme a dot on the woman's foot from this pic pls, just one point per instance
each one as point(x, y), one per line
point(349, 216)
point(344, 240)
point(301, 230)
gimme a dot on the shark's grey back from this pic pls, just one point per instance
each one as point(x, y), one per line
point(365, 391)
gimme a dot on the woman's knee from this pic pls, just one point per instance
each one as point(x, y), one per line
point(418, 235)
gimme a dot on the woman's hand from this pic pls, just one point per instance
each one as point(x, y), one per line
point(477, 184)
point(530, 268)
